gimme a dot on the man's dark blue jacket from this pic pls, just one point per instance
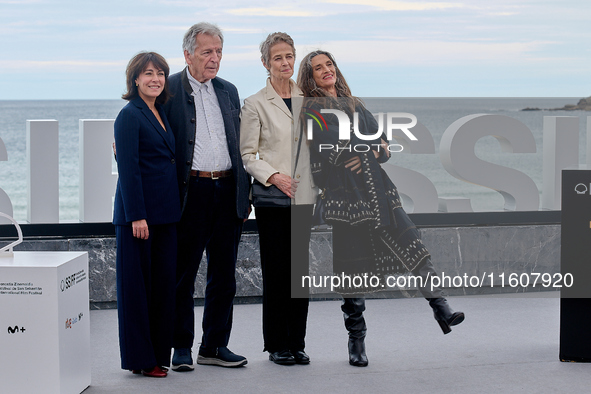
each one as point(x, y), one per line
point(180, 111)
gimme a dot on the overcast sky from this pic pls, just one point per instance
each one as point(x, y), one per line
point(52, 49)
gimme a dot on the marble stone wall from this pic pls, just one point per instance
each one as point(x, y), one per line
point(482, 251)
point(456, 251)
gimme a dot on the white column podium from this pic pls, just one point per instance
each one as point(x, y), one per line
point(44, 323)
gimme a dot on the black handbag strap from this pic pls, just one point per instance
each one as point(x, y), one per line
point(298, 153)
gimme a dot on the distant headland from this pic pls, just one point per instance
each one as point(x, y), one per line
point(584, 104)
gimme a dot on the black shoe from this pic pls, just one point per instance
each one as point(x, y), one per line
point(301, 357)
point(221, 356)
point(283, 357)
point(357, 356)
point(444, 315)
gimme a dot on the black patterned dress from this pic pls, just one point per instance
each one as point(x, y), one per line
point(372, 234)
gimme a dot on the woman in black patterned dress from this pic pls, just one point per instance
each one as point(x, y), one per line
point(373, 237)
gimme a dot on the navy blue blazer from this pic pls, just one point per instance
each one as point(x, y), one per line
point(180, 111)
point(147, 186)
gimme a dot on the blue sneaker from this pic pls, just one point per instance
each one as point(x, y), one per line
point(221, 356)
point(182, 360)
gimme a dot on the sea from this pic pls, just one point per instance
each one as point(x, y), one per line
point(437, 114)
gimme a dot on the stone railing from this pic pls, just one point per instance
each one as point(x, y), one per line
point(484, 251)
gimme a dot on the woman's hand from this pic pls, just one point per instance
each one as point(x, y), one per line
point(383, 147)
point(140, 229)
point(285, 183)
point(354, 164)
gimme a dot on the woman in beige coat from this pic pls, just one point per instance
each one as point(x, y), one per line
point(284, 233)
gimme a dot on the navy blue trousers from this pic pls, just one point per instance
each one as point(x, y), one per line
point(209, 222)
point(145, 295)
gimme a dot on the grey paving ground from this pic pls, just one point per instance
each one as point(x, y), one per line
point(508, 344)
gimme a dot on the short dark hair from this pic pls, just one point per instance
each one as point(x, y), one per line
point(136, 66)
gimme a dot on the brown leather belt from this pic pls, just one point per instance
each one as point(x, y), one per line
point(211, 174)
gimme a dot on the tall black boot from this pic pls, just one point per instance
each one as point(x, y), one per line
point(442, 312)
point(355, 323)
point(444, 315)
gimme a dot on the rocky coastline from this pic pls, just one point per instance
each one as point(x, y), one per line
point(584, 104)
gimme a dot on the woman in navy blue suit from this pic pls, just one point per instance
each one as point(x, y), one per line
point(147, 207)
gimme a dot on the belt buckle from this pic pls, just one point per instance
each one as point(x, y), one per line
point(214, 177)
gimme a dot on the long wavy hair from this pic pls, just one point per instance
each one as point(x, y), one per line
point(308, 85)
